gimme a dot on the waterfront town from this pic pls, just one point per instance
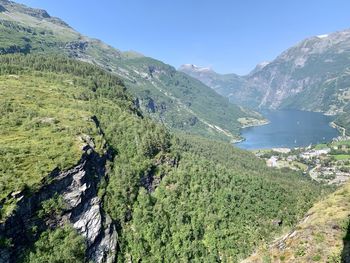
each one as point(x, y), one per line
point(327, 163)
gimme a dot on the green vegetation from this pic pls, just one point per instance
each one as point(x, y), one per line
point(171, 97)
point(5, 242)
point(321, 146)
point(341, 143)
point(220, 202)
point(173, 197)
point(45, 118)
point(203, 200)
point(57, 246)
point(17, 38)
point(52, 207)
point(342, 157)
point(343, 120)
point(322, 235)
point(182, 102)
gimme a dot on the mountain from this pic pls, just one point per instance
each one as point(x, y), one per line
point(85, 176)
point(305, 76)
point(180, 102)
point(258, 67)
point(225, 85)
point(312, 75)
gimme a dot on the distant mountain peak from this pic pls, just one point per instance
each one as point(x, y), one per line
point(263, 64)
point(195, 68)
point(259, 67)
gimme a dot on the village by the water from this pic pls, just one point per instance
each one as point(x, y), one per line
point(326, 163)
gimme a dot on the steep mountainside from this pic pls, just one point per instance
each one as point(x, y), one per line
point(165, 94)
point(85, 176)
point(323, 235)
point(305, 76)
point(312, 75)
point(225, 85)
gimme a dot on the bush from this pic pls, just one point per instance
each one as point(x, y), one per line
point(58, 246)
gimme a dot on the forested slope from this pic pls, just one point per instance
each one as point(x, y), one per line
point(170, 197)
point(175, 99)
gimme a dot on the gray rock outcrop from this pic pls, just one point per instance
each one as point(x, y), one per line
point(78, 187)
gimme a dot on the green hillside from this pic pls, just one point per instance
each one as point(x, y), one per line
point(163, 93)
point(187, 105)
point(323, 235)
point(172, 197)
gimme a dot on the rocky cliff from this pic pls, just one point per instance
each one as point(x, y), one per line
point(78, 187)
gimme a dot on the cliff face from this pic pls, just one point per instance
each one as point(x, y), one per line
point(78, 187)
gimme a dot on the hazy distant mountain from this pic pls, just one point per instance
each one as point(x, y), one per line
point(224, 84)
point(258, 67)
point(303, 77)
point(312, 75)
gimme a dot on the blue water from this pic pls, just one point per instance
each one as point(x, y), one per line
point(289, 128)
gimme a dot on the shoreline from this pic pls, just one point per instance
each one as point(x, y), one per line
point(247, 123)
point(255, 123)
point(238, 140)
point(341, 129)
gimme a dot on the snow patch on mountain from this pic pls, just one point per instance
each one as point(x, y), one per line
point(323, 36)
point(195, 68)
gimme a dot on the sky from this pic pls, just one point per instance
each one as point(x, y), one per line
point(230, 36)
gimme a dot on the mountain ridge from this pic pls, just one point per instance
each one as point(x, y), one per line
point(163, 93)
point(312, 75)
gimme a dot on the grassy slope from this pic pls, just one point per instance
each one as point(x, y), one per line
point(44, 120)
point(34, 124)
point(194, 231)
point(180, 102)
point(322, 235)
point(41, 127)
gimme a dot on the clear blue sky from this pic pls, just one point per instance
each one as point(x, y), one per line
point(228, 35)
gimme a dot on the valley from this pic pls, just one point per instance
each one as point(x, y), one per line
point(110, 156)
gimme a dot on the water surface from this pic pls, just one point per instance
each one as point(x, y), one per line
point(289, 128)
